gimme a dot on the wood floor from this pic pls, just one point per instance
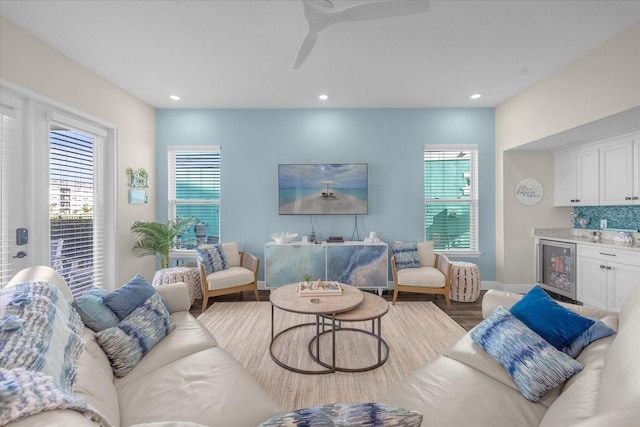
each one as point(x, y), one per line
point(465, 314)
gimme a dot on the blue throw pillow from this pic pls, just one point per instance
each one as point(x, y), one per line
point(533, 364)
point(93, 312)
point(212, 258)
point(138, 333)
point(556, 324)
point(595, 332)
point(406, 254)
point(126, 299)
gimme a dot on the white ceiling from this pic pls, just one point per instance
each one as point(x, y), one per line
point(240, 54)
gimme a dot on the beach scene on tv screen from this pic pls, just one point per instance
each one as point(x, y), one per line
point(323, 189)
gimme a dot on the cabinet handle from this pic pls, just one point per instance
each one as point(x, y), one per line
point(627, 198)
point(602, 267)
point(604, 253)
point(634, 198)
point(609, 267)
point(577, 200)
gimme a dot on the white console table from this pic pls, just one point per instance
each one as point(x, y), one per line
point(360, 264)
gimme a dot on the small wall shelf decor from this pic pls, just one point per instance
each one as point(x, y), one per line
point(138, 178)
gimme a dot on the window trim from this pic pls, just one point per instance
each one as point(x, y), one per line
point(474, 200)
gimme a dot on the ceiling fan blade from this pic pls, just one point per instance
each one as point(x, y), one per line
point(305, 49)
point(378, 10)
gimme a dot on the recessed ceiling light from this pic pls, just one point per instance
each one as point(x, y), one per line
point(323, 97)
point(174, 97)
point(476, 96)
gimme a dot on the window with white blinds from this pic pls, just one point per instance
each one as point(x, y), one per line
point(7, 139)
point(194, 189)
point(451, 197)
point(76, 219)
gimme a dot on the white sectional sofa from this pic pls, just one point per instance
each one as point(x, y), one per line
point(467, 387)
point(185, 379)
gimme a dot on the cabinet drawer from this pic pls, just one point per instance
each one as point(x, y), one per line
point(608, 254)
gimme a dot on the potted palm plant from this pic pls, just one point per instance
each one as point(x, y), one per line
point(157, 238)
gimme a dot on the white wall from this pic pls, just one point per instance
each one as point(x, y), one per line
point(34, 65)
point(602, 83)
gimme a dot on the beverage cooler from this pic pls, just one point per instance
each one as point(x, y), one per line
point(556, 267)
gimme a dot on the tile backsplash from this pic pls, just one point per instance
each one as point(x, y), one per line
point(618, 217)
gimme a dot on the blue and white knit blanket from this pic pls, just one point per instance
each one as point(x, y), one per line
point(40, 346)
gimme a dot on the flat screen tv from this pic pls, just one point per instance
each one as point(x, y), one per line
point(323, 189)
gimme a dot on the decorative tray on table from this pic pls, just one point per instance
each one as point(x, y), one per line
point(319, 288)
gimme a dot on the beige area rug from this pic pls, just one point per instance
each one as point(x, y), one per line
point(416, 333)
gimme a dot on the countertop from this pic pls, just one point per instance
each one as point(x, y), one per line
point(583, 237)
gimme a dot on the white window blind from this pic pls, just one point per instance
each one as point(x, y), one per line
point(76, 216)
point(7, 139)
point(451, 197)
point(194, 188)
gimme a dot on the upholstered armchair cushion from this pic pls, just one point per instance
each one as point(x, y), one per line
point(426, 255)
point(231, 254)
point(232, 276)
point(422, 276)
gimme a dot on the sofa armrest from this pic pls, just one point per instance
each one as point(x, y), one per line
point(176, 295)
point(493, 298)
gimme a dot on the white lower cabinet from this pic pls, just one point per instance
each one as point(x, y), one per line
point(606, 276)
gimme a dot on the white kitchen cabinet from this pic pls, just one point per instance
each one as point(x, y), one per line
point(576, 177)
point(619, 173)
point(606, 276)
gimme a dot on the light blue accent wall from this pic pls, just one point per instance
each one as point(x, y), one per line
point(391, 141)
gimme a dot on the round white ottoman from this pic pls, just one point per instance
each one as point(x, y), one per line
point(465, 281)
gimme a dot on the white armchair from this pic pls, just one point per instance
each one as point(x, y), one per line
point(240, 275)
point(432, 277)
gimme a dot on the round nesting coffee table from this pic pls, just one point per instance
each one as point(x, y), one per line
point(286, 298)
point(372, 308)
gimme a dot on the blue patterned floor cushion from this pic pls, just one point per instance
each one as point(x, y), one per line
point(406, 254)
point(348, 415)
point(128, 342)
point(212, 258)
point(558, 325)
point(534, 365)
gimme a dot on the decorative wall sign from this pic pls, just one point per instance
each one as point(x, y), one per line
point(529, 191)
point(138, 197)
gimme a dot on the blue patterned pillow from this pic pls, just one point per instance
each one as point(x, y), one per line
point(406, 254)
point(212, 258)
point(138, 333)
point(533, 364)
point(559, 326)
point(93, 312)
point(348, 414)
